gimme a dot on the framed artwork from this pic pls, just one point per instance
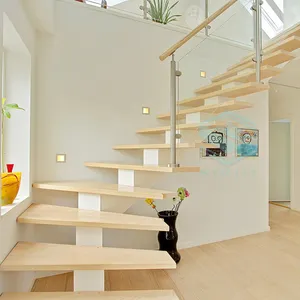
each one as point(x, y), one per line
point(247, 144)
point(216, 136)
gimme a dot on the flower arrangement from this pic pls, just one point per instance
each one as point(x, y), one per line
point(182, 193)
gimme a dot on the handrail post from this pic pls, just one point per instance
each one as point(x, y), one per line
point(173, 110)
point(206, 16)
point(144, 8)
point(257, 12)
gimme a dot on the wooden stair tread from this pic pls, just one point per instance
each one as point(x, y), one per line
point(293, 31)
point(192, 145)
point(266, 72)
point(148, 168)
point(290, 44)
point(196, 126)
point(55, 257)
point(272, 59)
point(234, 92)
point(115, 295)
point(94, 187)
point(68, 216)
point(231, 105)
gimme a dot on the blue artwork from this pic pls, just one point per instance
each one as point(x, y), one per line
point(247, 142)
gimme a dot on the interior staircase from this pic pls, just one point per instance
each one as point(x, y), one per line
point(88, 258)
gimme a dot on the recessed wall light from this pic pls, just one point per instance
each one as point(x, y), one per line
point(203, 74)
point(61, 158)
point(146, 110)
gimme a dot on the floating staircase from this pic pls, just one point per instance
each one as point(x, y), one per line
point(89, 258)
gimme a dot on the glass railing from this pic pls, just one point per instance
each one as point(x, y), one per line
point(182, 14)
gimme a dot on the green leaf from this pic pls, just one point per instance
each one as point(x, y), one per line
point(3, 101)
point(14, 106)
point(7, 114)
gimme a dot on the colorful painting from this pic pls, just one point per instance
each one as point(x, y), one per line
point(247, 142)
point(217, 136)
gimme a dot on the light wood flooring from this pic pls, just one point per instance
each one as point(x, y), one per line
point(264, 266)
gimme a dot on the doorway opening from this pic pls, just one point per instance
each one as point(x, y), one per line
point(280, 163)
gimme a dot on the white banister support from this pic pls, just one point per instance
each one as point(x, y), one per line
point(126, 177)
point(197, 118)
point(216, 100)
point(89, 280)
point(151, 157)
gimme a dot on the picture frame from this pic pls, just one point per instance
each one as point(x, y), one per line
point(247, 142)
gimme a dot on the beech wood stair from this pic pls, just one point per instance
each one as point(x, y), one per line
point(55, 257)
point(94, 187)
point(42, 214)
point(123, 295)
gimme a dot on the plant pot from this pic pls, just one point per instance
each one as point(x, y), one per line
point(168, 240)
point(10, 187)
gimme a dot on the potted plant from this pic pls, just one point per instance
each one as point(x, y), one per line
point(160, 11)
point(168, 240)
point(10, 180)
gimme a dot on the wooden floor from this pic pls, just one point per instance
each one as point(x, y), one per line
point(259, 267)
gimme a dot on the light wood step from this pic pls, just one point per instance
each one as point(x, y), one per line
point(266, 72)
point(68, 216)
point(290, 44)
point(54, 257)
point(148, 168)
point(94, 187)
point(272, 59)
point(234, 92)
point(196, 126)
point(231, 105)
point(293, 31)
point(115, 295)
point(192, 145)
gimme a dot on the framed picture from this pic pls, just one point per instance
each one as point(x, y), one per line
point(247, 144)
point(216, 136)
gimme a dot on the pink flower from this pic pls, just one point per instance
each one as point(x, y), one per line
point(187, 194)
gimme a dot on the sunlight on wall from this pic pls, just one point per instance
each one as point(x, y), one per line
point(17, 89)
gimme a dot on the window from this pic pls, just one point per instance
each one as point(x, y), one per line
point(272, 16)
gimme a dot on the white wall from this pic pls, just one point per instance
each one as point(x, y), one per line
point(280, 156)
point(17, 129)
point(235, 24)
point(10, 231)
point(291, 13)
point(284, 104)
point(94, 75)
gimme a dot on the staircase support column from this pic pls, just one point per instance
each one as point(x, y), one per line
point(91, 280)
point(257, 13)
point(173, 110)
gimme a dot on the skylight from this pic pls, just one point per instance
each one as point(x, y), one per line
point(272, 22)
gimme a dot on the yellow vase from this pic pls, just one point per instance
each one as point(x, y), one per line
point(10, 187)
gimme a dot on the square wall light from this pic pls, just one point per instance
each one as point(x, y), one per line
point(61, 158)
point(146, 110)
point(203, 74)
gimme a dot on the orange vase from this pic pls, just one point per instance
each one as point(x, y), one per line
point(10, 187)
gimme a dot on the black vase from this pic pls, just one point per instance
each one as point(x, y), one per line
point(168, 240)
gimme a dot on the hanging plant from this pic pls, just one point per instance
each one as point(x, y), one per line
point(160, 11)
